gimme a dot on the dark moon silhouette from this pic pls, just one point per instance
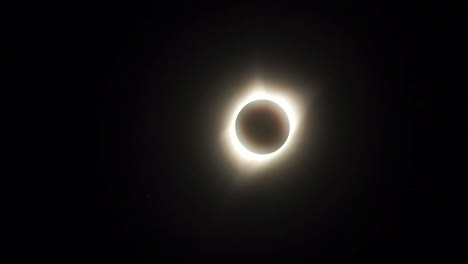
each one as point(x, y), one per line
point(262, 126)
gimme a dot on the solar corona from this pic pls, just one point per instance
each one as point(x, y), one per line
point(262, 125)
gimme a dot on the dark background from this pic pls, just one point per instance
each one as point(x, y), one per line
point(110, 122)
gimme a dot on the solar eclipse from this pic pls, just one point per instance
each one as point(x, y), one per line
point(262, 126)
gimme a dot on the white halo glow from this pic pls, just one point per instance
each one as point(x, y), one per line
point(258, 92)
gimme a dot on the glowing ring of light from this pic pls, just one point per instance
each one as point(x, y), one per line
point(286, 102)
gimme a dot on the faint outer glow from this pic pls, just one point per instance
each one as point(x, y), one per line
point(257, 92)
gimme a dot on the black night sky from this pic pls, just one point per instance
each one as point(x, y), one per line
point(110, 126)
